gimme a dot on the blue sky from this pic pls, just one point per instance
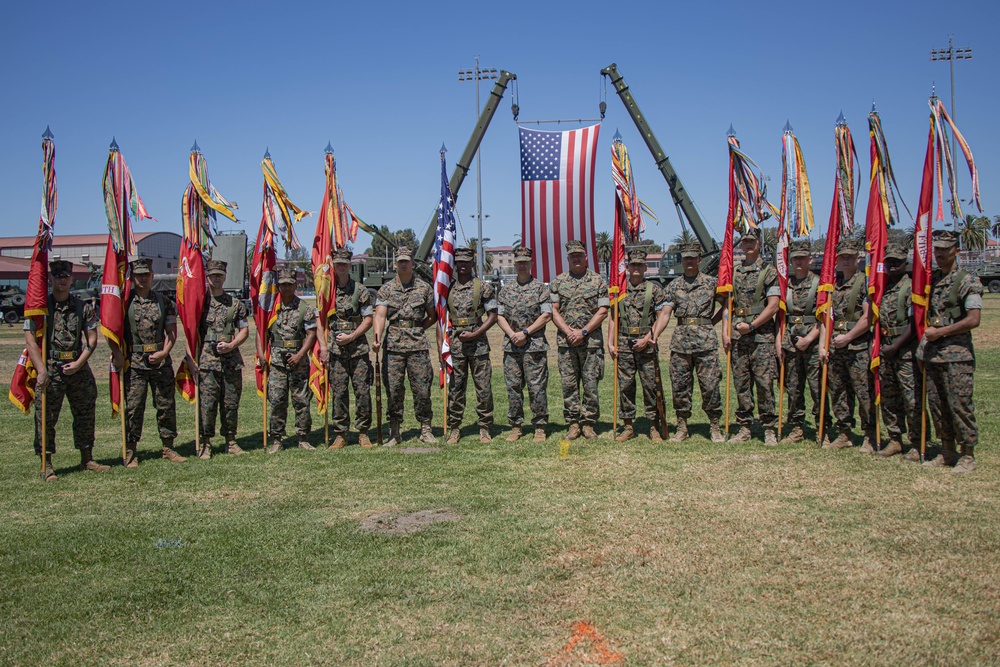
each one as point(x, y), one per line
point(378, 80)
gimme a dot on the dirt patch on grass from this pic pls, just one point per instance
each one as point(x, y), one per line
point(403, 523)
point(419, 450)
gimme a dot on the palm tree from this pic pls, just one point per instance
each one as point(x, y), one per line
point(487, 257)
point(995, 227)
point(517, 241)
point(604, 248)
point(769, 241)
point(686, 236)
point(972, 232)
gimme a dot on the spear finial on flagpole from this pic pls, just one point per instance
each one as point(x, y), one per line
point(48, 133)
point(873, 106)
point(267, 152)
point(618, 137)
point(114, 145)
point(731, 132)
point(841, 121)
point(788, 127)
point(195, 148)
point(328, 149)
point(443, 151)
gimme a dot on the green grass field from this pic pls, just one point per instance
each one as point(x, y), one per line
point(687, 554)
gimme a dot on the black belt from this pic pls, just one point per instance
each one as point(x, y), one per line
point(801, 319)
point(407, 324)
point(63, 355)
point(692, 321)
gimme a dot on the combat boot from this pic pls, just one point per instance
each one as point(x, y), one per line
point(232, 448)
point(275, 445)
point(574, 432)
point(131, 457)
point(48, 475)
point(426, 436)
point(795, 435)
point(947, 457)
point(894, 447)
point(205, 449)
point(514, 435)
point(842, 441)
point(540, 434)
point(868, 446)
point(364, 441)
point(912, 456)
point(454, 435)
point(87, 461)
point(743, 435)
point(967, 463)
point(627, 432)
point(304, 444)
point(654, 433)
point(170, 454)
point(681, 432)
point(716, 431)
point(484, 436)
point(338, 442)
point(394, 436)
point(588, 432)
point(770, 438)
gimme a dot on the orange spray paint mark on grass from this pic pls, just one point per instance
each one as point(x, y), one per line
point(601, 654)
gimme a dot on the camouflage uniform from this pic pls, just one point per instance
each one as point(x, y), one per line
point(68, 323)
point(351, 363)
point(848, 375)
point(630, 362)
point(406, 346)
point(291, 326)
point(801, 367)
point(579, 298)
point(754, 362)
point(220, 377)
point(694, 347)
point(472, 357)
point(900, 407)
point(521, 305)
point(951, 360)
point(146, 320)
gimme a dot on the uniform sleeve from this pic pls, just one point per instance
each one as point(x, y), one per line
point(545, 299)
point(500, 295)
point(670, 294)
point(89, 317)
point(489, 298)
point(242, 319)
point(659, 297)
point(365, 302)
point(29, 324)
point(973, 293)
point(430, 296)
point(170, 316)
point(771, 281)
point(382, 299)
point(554, 290)
point(310, 320)
point(603, 301)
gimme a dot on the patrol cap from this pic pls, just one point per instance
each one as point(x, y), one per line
point(799, 249)
point(404, 252)
point(896, 251)
point(522, 254)
point(141, 266)
point(215, 267)
point(690, 250)
point(945, 239)
point(464, 255)
point(342, 256)
point(637, 256)
point(750, 235)
point(60, 268)
point(287, 275)
point(574, 246)
point(848, 247)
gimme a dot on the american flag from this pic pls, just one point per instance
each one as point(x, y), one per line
point(444, 260)
point(557, 195)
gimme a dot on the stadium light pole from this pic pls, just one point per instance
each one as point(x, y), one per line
point(951, 54)
point(476, 75)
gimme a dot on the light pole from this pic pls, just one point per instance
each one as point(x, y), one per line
point(951, 54)
point(476, 75)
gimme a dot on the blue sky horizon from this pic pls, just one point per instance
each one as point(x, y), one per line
point(380, 83)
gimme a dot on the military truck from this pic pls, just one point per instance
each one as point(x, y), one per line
point(989, 275)
point(11, 304)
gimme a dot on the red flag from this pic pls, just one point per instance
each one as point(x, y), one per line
point(329, 222)
point(876, 236)
point(628, 218)
point(557, 195)
point(190, 303)
point(922, 240)
point(264, 284)
point(725, 280)
point(618, 270)
point(115, 289)
point(828, 272)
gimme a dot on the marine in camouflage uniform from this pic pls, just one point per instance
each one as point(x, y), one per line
point(800, 344)
point(524, 308)
point(641, 320)
point(755, 301)
point(946, 349)
point(469, 299)
point(150, 334)
point(579, 305)
point(71, 329)
point(898, 370)
point(292, 336)
point(224, 327)
point(849, 356)
point(404, 308)
point(694, 347)
point(348, 357)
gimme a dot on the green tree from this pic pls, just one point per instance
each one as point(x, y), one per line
point(686, 236)
point(769, 240)
point(904, 237)
point(487, 257)
point(604, 249)
point(378, 247)
point(651, 246)
point(300, 258)
point(995, 227)
point(972, 232)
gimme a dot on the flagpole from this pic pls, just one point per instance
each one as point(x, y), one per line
point(828, 335)
point(45, 361)
point(444, 389)
point(121, 409)
point(729, 355)
point(197, 413)
point(614, 404)
point(781, 378)
point(923, 413)
point(265, 407)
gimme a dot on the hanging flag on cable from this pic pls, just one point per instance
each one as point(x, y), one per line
point(36, 299)
point(557, 195)
point(629, 224)
point(123, 207)
point(444, 263)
